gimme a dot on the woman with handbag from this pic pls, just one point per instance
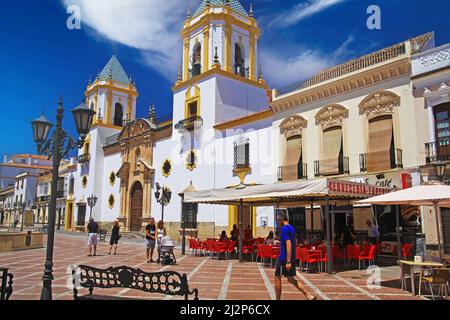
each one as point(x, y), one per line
point(115, 237)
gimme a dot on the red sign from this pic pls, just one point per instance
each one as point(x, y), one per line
point(406, 181)
point(353, 188)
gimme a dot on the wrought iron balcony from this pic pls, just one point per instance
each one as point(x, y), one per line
point(293, 172)
point(84, 158)
point(189, 123)
point(320, 167)
point(437, 151)
point(396, 160)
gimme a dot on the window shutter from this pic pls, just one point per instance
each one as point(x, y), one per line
point(380, 138)
point(292, 158)
point(332, 145)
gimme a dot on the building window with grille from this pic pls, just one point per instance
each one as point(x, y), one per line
point(189, 215)
point(241, 154)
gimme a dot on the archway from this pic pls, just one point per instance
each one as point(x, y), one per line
point(137, 195)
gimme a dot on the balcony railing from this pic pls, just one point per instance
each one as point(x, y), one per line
point(189, 123)
point(343, 167)
point(396, 160)
point(347, 67)
point(293, 172)
point(84, 158)
point(438, 151)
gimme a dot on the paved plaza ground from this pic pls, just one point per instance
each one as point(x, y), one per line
point(215, 279)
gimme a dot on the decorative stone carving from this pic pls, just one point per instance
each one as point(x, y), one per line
point(382, 102)
point(331, 116)
point(435, 58)
point(293, 126)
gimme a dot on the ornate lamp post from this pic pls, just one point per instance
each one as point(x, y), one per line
point(57, 146)
point(163, 196)
point(92, 201)
point(23, 205)
point(439, 168)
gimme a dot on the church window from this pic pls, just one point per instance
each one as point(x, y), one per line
point(239, 60)
point(241, 154)
point(111, 201)
point(112, 178)
point(118, 115)
point(196, 60)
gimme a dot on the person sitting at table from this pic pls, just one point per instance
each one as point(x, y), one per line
point(248, 235)
point(234, 234)
point(223, 236)
point(347, 237)
point(270, 239)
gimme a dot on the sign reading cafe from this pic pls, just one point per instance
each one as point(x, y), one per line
point(355, 188)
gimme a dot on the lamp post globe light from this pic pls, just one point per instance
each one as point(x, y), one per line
point(92, 201)
point(57, 146)
point(163, 196)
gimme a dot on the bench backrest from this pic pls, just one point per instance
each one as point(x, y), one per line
point(166, 282)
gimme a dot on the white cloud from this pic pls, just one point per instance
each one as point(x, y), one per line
point(151, 26)
point(285, 69)
point(302, 11)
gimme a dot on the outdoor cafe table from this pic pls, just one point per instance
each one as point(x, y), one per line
point(412, 264)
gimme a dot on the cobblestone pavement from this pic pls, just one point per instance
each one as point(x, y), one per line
point(215, 279)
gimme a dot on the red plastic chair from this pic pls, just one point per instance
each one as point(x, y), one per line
point(247, 250)
point(308, 258)
point(274, 254)
point(370, 257)
point(406, 250)
point(259, 252)
point(359, 256)
point(231, 248)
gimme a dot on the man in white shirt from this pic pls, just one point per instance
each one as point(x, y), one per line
point(374, 233)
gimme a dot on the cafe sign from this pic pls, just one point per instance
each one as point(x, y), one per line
point(357, 189)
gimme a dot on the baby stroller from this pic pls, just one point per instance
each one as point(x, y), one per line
point(166, 254)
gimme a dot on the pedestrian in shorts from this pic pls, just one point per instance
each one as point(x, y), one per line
point(150, 240)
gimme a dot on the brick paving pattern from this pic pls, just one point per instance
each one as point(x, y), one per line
point(215, 279)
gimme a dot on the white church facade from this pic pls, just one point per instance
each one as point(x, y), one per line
point(356, 121)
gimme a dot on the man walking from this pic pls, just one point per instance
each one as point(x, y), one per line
point(92, 228)
point(150, 239)
point(374, 233)
point(285, 263)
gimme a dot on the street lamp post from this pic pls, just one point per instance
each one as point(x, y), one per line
point(92, 201)
point(23, 206)
point(163, 196)
point(57, 146)
point(439, 168)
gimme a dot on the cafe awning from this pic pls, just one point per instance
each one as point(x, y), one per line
point(277, 194)
point(296, 191)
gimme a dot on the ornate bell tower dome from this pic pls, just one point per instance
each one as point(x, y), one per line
point(220, 35)
point(112, 96)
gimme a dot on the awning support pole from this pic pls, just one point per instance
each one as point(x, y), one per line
point(329, 251)
point(241, 231)
point(397, 228)
point(438, 226)
point(312, 220)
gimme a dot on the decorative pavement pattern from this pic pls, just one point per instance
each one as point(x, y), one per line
point(215, 279)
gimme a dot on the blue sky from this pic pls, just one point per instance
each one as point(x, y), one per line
point(41, 59)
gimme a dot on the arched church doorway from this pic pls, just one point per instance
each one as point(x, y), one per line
point(137, 195)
